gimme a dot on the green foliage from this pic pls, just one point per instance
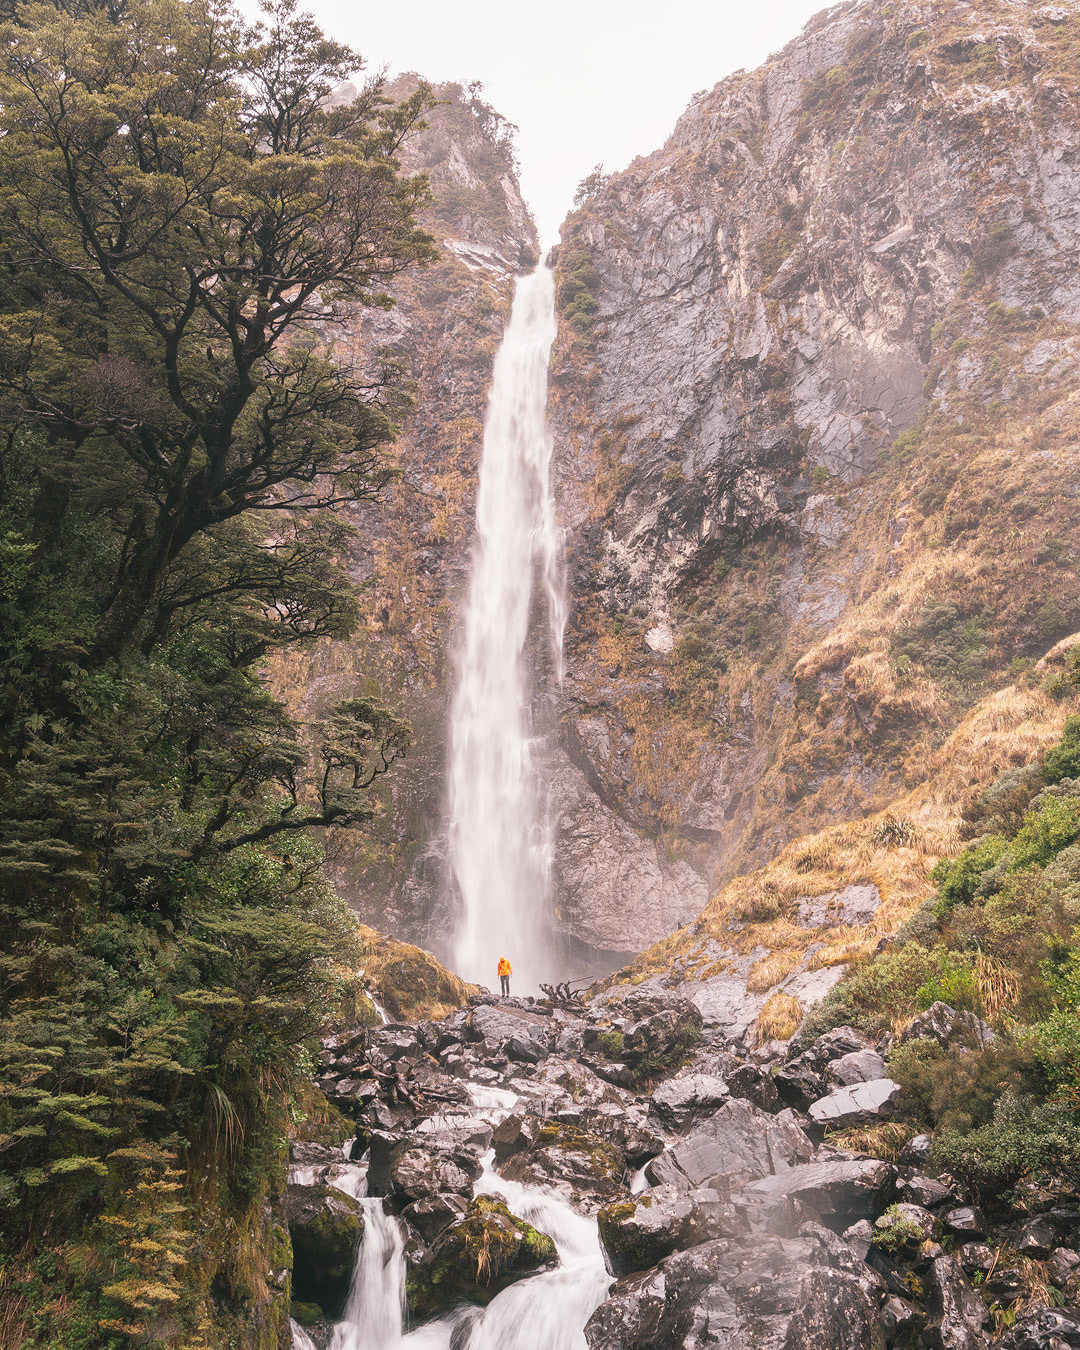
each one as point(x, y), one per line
point(576, 293)
point(948, 643)
point(611, 1043)
point(1063, 760)
point(1026, 1138)
point(894, 1231)
point(1000, 939)
point(176, 442)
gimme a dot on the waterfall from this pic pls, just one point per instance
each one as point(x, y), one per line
point(500, 830)
point(376, 1307)
point(547, 1311)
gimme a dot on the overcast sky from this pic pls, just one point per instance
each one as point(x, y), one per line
point(585, 81)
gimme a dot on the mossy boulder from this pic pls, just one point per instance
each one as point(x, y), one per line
point(325, 1226)
point(477, 1258)
point(586, 1169)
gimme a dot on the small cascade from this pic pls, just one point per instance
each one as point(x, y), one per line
point(543, 1312)
point(375, 1312)
point(500, 827)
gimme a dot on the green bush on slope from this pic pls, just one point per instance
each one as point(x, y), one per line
point(1002, 940)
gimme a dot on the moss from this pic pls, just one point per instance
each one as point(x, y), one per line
point(307, 1314)
point(476, 1259)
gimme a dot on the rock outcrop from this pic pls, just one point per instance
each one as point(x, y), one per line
point(832, 324)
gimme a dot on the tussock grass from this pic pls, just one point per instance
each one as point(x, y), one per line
point(885, 1140)
point(779, 1019)
point(771, 970)
point(894, 849)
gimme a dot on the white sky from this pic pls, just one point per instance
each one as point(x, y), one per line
point(586, 81)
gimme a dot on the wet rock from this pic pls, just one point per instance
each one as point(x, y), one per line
point(837, 1190)
point(737, 1142)
point(955, 1315)
point(801, 1080)
point(498, 1023)
point(900, 1320)
point(903, 1228)
point(946, 1026)
point(638, 1233)
point(1036, 1238)
point(434, 1213)
point(916, 1151)
point(833, 1310)
point(966, 1221)
point(1044, 1329)
point(858, 1104)
point(586, 1169)
point(515, 1133)
point(860, 1066)
point(680, 1101)
point(325, 1227)
point(977, 1256)
point(476, 1258)
point(1064, 1268)
point(927, 1191)
point(419, 1168)
point(859, 1237)
point(754, 1084)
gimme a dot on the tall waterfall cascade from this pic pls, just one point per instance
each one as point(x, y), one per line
point(500, 826)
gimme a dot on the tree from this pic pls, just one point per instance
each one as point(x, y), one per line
point(181, 209)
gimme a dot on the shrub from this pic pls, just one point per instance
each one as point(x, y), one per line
point(874, 993)
point(957, 879)
point(958, 1088)
point(1024, 1139)
point(1063, 760)
point(955, 984)
point(894, 1231)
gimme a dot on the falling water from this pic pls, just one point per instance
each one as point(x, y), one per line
point(500, 836)
point(547, 1311)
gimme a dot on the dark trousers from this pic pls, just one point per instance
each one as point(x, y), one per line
point(504, 983)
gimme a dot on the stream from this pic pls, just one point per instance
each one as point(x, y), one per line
point(547, 1311)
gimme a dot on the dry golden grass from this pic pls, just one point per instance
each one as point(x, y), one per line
point(780, 1018)
point(999, 988)
point(1010, 726)
point(885, 1140)
point(771, 970)
point(409, 982)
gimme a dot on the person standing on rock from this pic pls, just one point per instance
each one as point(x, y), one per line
point(505, 972)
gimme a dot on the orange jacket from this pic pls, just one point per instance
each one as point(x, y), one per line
point(504, 967)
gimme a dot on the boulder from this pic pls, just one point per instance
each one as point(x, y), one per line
point(955, 1315)
point(903, 1228)
point(500, 1023)
point(966, 1221)
point(475, 1258)
point(946, 1026)
point(835, 1189)
point(926, 1191)
point(419, 1168)
point(515, 1133)
point(1044, 1329)
point(1037, 1238)
point(584, 1168)
point(684, 1303)
point(755, 1084)
point(900, 1320)
point(680, 1101)
point(434, 1213)
point(833, 1310)
point(638, 1233)
point(1064, 1267)
point(801, 1080)
point(860, 1066)
point(737, 1142)
point(325, 1227)
point(862, 1102)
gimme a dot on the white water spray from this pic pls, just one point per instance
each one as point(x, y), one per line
point(500, 837)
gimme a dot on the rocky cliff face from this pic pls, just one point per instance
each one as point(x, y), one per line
point(815, 395)
point(411, 555)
